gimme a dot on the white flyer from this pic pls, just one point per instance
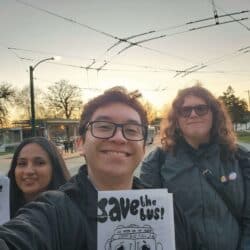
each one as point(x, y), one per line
point(135, 220)
point(4, 199)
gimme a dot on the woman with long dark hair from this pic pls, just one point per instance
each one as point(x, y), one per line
point(36, 166)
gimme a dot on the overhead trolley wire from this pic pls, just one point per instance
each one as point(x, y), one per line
point(220, 23)
point(210, 62)
point(67, 19)
point(94, 61)
point(138, 43)
point(216, 17)
point(231, 15)
point(119, 39)
point(84, 25)
point(109, 69)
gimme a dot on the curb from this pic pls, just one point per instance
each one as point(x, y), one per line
point(66, 157)
point(7, 156)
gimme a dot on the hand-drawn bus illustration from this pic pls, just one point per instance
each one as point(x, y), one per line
point(133, 237)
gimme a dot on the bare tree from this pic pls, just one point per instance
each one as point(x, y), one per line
point(7, 94)
point(22, 101)
point(64, 99)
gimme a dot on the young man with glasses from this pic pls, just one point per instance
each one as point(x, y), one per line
point(113, 130)
point(198, 163)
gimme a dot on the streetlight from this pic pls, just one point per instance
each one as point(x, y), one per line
point(32, 99)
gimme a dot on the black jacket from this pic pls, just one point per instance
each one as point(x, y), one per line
point(66, 220)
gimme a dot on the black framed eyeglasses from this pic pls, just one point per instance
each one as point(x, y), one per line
point(106, 130)
point(200, 110)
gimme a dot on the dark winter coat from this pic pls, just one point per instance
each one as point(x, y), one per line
point(66, 220)
point(183, 173)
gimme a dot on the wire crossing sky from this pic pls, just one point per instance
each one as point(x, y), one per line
point(155, 46)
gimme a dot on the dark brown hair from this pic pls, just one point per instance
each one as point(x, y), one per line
point(222, 128)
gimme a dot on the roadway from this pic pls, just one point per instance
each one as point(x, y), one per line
point(73, 161)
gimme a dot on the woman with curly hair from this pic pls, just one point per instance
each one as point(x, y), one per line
point(36, 166)
point(198, 163)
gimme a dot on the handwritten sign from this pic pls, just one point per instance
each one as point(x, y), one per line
point(135, 220)
point(4, 199)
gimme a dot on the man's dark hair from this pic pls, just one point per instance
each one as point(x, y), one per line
point(118, 95)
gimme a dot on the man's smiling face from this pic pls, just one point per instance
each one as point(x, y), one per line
point(115, 157)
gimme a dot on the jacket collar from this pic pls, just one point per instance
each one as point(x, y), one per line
point(206, 148)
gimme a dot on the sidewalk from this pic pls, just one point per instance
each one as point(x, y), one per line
point(77, 154)
point(70, 155)
point(6, 156)
point(64, 155)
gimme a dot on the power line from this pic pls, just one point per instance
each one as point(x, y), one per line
point(138, 43)
point(230, 15)
point(129, 37)
point(210, 62)
point(126, 40)
point(109, 69)
point(211, 25)
point(82, 24)
point(68, 19)
point(42, 52)
point(94, 61)
point(216, 17)
point(147, 68)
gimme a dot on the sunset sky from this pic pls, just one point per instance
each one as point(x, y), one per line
point(81, 32)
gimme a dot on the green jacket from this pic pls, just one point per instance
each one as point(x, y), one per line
point(214, 226)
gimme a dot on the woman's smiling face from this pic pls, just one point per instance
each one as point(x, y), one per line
point(33, 171)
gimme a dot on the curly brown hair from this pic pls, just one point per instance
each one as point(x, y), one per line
point(222, 128)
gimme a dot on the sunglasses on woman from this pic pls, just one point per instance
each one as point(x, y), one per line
point(200, 110)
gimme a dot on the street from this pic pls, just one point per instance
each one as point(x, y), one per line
point(73, 162)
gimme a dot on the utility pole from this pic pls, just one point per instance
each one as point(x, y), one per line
point(32, 97)
point(32, 102)
point(248, 92)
